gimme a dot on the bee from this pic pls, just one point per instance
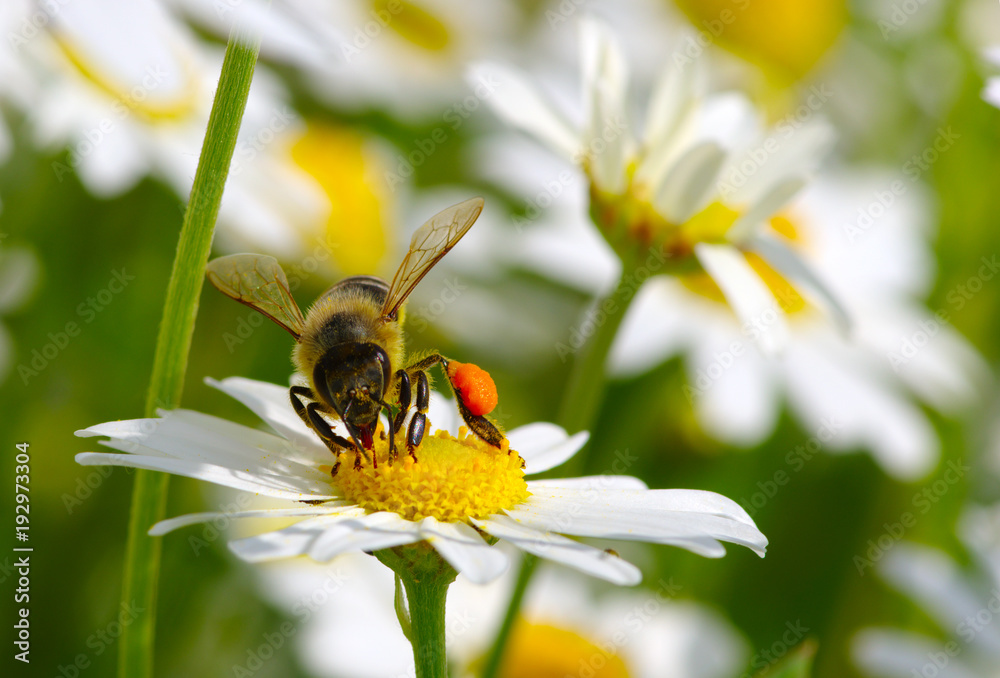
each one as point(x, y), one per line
point(350, 344)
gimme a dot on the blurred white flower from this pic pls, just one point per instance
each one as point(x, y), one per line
point(347, 626)
point(865, 232)
point(696, 191)
point(991, 92)
point(963, 602)
point(18, 278)
point(127, 90)
point(406, 56)
point(458, 490)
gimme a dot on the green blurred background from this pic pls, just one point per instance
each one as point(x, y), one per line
point(209, 610)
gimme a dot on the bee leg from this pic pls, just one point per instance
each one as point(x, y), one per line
point(333, 441)
point(485, 429)
point(418, 424)
point(356, 439)
point(405, 395)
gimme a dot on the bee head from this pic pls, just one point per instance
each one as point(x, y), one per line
point(352, 378)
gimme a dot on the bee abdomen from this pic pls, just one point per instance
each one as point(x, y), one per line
point(370, 286)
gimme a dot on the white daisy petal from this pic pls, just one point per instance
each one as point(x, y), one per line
point(788, 262)
point(776, 197)
point(270, 402)
point(291, 488)
point(557, 548)
point(170, 524)
point(294, 540)
point(686, 186)
point(193, 436)
point(544, 446)
point(517, 102)
point(369, 532)
point(591, 483)
point(692, 519)
point(746, 293)
point(672, 99)
point(894, 654)
point(605, 131)
point(465, 550)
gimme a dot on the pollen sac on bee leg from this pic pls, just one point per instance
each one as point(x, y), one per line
point(474, 386)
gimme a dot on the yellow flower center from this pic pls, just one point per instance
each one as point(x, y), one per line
point(544, 651)
point(784, 292)
point(414, 24)
point(140, 99)
point(453, 479)
point(346, 170)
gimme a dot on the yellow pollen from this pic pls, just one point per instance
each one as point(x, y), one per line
point(544, 651)
point(453, 479)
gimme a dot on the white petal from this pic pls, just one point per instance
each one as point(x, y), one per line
point(686, 187)
point(544, 446)
point(18, 276)
point(271, 403)
point(294, 540)
point(674, 97)
point(591, 483)
point(788, 262)
point(369, 532)
point(293, 489)
point(748, 296)
point(519, 105)
point(895, 654)
point(170, 524)
point(605, 131)
point(554, 547)
point(766, 206)
point(692, 519)
point(198, 437)
point(465, 550)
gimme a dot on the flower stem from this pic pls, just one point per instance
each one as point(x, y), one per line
point(142, 554)
point(494, 660)
point(585, 390)
point(580, 405)
point(426, 578)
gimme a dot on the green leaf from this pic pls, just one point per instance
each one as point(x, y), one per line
point(796, 664)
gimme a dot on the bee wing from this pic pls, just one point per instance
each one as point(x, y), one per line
point(431, 241)
point(257, 281)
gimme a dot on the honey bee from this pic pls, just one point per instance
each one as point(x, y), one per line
point(350, 344)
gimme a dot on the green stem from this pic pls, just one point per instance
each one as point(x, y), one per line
point(426, 578)
point(581, 402)
point(142, 554)
point(427, 626)
point(494, 660)
point(584, 392)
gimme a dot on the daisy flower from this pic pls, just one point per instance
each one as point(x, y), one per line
point(127, 89)
point(459, 493)
point(680, 196)
point(407, 57)
point(564, 628)
point(963, 603)
point(865, 233)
